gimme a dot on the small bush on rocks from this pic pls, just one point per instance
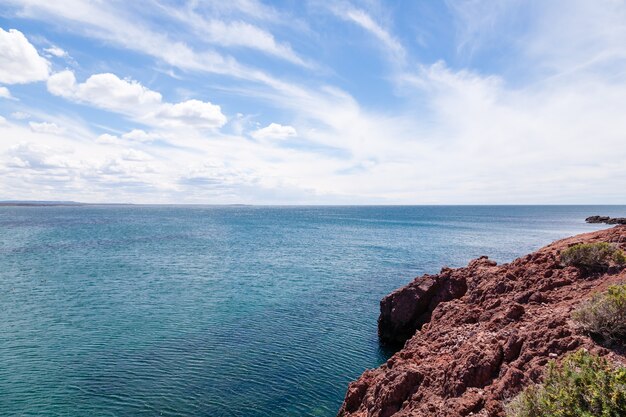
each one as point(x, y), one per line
point(582, 385)
point(605, 314)
point(592, 256)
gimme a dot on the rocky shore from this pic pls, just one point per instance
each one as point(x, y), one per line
point(471, 338)
point(606, 220)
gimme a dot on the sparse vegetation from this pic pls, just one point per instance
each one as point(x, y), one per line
point(605, 314)
point(582, 385)
point(592, 256)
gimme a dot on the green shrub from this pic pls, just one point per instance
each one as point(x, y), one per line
point(605, 314)
point(592, 256)
point(582, 385)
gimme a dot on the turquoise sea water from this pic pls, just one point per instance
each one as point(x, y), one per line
point(222, 311)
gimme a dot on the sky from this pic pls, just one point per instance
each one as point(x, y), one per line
point(313, 102)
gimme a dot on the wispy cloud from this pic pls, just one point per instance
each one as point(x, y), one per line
point(56, 51)
point(111, 22)
point(391, 45)
point(234, 33)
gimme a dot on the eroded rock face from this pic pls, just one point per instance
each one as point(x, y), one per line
point(405, 310)
point(475, 336)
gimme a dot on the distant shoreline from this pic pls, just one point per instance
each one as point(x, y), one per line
point(77, 204)
point(38, 203)
point(56, 204)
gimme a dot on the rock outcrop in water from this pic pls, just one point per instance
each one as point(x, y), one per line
point(475, 336)
point(606, 219)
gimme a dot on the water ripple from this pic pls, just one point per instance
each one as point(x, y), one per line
point(213, 311)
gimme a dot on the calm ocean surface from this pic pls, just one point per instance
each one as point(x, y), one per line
point(222, 311)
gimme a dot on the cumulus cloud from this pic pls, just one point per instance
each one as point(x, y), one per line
point(126, 96)
point(40, 157)
point(46, 127)
point(19, 61)
point(62, 84)
point(5, 93)
point(139, 136)
point(192, 112)
point(274, 131)
point(106, 91)
point(135, 135)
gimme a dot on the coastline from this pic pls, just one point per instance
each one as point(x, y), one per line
point(473, 337)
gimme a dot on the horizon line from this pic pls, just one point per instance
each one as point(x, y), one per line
point(66, 203)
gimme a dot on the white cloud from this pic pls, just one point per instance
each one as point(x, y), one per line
point(191, 112)
point(243, 34)
point(19, 61)
point(112, 93)
point(53, 165)
point(139, 136)
point(109, 22)
point(462, 136)
point(56, 51)
point(274, 131)
point(107, 91)
point(40, 157)
point(46, 127)
point(3, 121)
point(5, 93)
point(62, 84)
point(135, 135)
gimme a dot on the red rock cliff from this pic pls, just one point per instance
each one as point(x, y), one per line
point(475, 336)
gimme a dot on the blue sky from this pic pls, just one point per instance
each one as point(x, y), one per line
point(313, 102)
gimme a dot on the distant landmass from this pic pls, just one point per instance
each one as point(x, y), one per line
point(28, 203)
point(40, 203)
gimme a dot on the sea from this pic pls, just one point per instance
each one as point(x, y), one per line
point(223, 310)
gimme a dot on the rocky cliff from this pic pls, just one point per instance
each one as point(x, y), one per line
point(475, 336)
